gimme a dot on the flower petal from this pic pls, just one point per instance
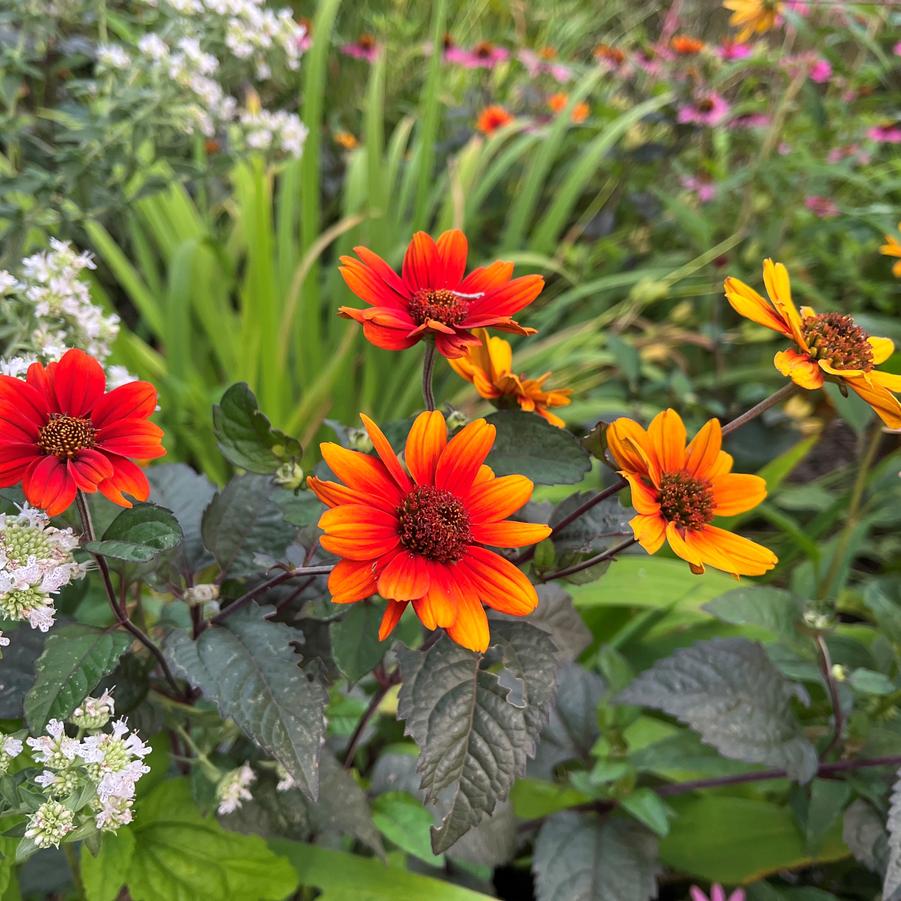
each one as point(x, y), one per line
point(666, 439)
point(510, 533)
point(47, 484)
point(729, 552)
point(496, 499)
point(623, 437)
point(644, 496)
point(425, 443)
point(383, 271)
point(885, 405)
point(362, 473)
point(778, 286)
point(394, 610)
point(332, 494)
point(127, 478)
point(137, 438)
point(748, 303)
point(78, 382)
point(22, 403)
point(358, 532)
point(703, 450)
point(505, 300)
point(498, 582)
point(405, 578)
point(371, 286)
point(386, 454)
point(882, 348)
point(737, 492)
point(799, 368)
point(134, 400)
point(421, 263)
point(487, 278)
point(452, 252)
point(649, 531)
point(352, 580)
point(89, 468)
point(470, 628)
point(464, 454)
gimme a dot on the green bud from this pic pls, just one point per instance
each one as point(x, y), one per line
point(290, 476)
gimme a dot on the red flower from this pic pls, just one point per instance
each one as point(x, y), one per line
point(431, 297)
point(61, 431)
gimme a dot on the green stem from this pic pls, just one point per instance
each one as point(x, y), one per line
point(428, 368)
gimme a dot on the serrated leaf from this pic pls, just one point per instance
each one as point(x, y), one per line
point(729, 692)
point(864, 834)
point(455, 710)
point(181, 855)
point(893, 827)
point(604, 524)
point(770, 608)
point(527, 445)
point(246, 437)
point(355, 640)
point(242, 521)
point(138, 535)
point(249, 669)
point(74, 660)
point(579, 857)
point(103, 875)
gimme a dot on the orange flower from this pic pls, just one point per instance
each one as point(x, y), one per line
point(686, 45)
point(753, 16)
point(611, 55)
point(492, 118)
point(829, 345)
point(558, 102)
point(417, 534)
point(490, 369)
point(431, 298)
point(346, 140)
point(892, 248)
point(678, 489)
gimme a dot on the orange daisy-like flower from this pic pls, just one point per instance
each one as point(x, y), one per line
point(489, 367)
point(432, 297)
point(611, 55)
point(829, 345)
point(492, 118)
point(685, 45)
point(677, 490)
point(418, 534)
point(753, 16)
point(61, 432)
point(558, 102)
point(892, 248)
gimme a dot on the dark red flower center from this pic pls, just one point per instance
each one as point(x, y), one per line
point(434, 524)
point(484, 49)
point(705, 105)
point(836, 339)
point(685, 500)
point(441, 305)
point(65, 436)
point(366, 42)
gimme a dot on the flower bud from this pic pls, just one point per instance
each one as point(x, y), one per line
point(648, 290)
point(359, 440)
point(50, 824)
point(456, 420)
point(290, 476)
point(201, 594)
point(94, 713)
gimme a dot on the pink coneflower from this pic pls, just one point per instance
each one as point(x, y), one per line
point(484, 55)
point(699, 185)
point(889, 133)
point(753, 120)
point(650, 61)
point(610, 58)
point(717, 893)
point(821, 207)
point(365, 47)
point(543, 63)
point(897, 49)
point(820, 71)
point(853, 152)
point(709, 108)
point(729, 51)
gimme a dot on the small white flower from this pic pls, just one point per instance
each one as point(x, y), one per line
point(113, 56)
point(7, 281)
point(114, 812)
point(234, 789)
point(153, 47)
point(94, 713)
point(50, 824)
point(55, 749)
point(285, 780)
point(9, 749)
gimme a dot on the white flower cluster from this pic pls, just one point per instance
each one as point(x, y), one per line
point(108, 763)
point(264, 130)
point(234, 789)
point(10, 748)
point(35, 563)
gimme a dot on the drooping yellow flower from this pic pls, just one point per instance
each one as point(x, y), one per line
point(827, 345)
point(892, 248)
point(489, 366)
point(753, 16)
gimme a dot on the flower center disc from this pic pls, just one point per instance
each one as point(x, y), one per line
point(434, 524)
point(65, 436)
point(685, 501)
point(442, 305)
point(838, 340)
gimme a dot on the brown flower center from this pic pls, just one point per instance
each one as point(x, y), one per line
point(65, 436)
point(434, 524)
point(685, 500)
point(705, 105)
point(366, 42)
point(837, 340)
point(442, 306)
point(484, 49)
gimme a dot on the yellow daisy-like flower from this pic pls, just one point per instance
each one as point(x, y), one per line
point(892, 248)
point(753, 16)
point(827, 345)
point(489, 366)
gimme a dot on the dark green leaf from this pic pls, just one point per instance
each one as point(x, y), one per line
point(528, 445)
point(770, 608)
point(729, 692)
point(139, 535)
point(355, 640)
point(17, 669)
point(869, 682)
point(865, 836)
point(579, 857)
point(557, 616)
point(828, 799)
point(75, 659)
point(246, 437)
point(249, 669)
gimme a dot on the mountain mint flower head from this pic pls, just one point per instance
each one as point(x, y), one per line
point(50, 824)
point(94, 713)
point(113, 753)
point(234, 789)
point(113, 813)
point(9, 748)
point(4, 643)
point(55, 749)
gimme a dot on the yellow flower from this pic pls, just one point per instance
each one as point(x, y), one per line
point(489, 366)
point(753, 16)
point(829, 345)
point(892, 248)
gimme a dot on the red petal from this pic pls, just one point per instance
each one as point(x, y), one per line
point(498, 582)
point(134, 400)
point(452, 252)
point(394, 610)
point(486, 278)
point(386, 454)
point(48, 485)
point(464, 454)
point(23, 402)
point(132, 438)
point(421, 263)
point(127, 478)
point(383, 271)
point(369, 286)
point(78, 382)
point(507, 300)
point(405, 578)
point(89, 468)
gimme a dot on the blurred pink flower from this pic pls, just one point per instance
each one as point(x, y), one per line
point(821, 207)
point(885, 134)
point(701, 186)
point(897, 49)
point(717, 893)
point(708, 108)
point(800, 7)
point(540, 63)
point(853, 152)
point(483, 55)
point(729, 51)
point(650, 61)
point(820, 71)
point(754, 120)
point(365, 47)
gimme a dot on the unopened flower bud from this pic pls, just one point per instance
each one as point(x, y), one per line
point(290, 476)
point(456, 420)
point(359, 440)
point(9, 748)
point(201, 594)
point(50, 824)
point(648, 290)
point(839, 672)
point(94, 713)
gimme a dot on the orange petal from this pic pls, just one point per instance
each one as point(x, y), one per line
point(623, 437)
point(649, 530)
point(667, 437)
point(470, 629)
point(748, 303)
point(386, 454)
point(498, 583)
point(681, 548)
point(496, 499)
point(358, 532)
point(730, 552)
point(701, 454)
point(874, 391)
point(425, 443)
point(351, 580)
point(445, 593)
point(421, 263)
point(405, 578)
point(799, 368)
point(778, 286)
point(736, 492)
point(487, 278)
point(644, 497)
point(485, 474)
point(333, 493)
point(465, 453)
point(509, 533)
point(362, 473)
point(452, 252)
point(883, 348)
point(391, 617)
